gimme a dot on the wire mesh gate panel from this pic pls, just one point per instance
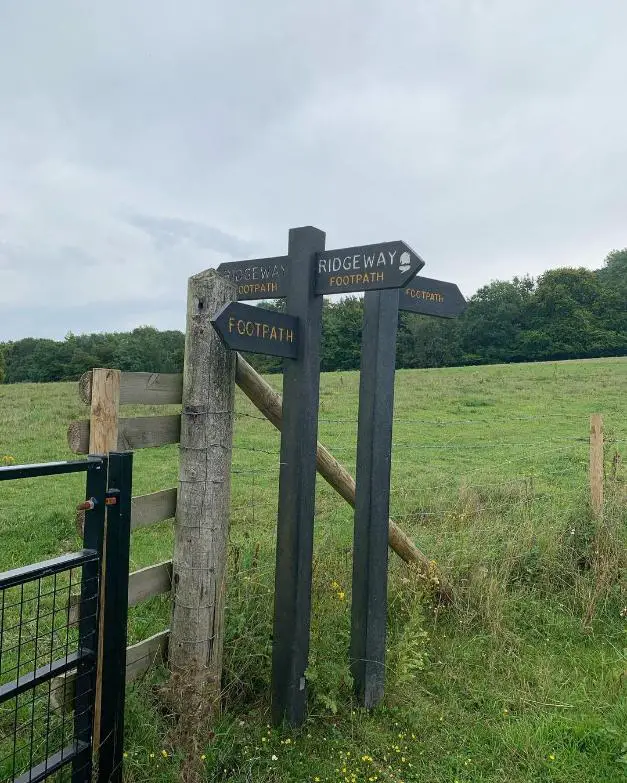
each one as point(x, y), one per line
point(51, 619)
point(43, 728)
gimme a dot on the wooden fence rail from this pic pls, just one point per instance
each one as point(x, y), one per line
point(145, 432)
point(138, 387)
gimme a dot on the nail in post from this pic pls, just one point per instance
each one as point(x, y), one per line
point(297, 484)
point(374, 446)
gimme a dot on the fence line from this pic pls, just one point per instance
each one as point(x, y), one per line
point(154, 431)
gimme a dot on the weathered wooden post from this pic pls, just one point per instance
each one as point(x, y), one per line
point(596, 464)
point(202, 511)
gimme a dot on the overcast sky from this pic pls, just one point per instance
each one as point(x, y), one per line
point(142, 141)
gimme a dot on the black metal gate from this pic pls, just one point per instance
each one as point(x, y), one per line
point(53, 627)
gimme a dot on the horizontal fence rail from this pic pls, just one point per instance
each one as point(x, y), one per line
point(141, 388)
point(269, 403)
point(141, 432)
point(145, 509)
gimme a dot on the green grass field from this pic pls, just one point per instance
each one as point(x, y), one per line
point(490, 479)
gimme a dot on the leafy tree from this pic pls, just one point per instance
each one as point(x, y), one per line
point(568, 316)
point(495, 318)
point(566, 313)
point(341, 334)
point(614, 272)
point(427, 342)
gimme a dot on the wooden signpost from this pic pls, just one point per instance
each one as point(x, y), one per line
point(366, 268)
point(260, 278)
point(253, 329)
point(297, 486)
point(385, 272)
point(374, 457)
point(432, 297)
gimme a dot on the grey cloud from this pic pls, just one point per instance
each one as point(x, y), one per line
point(168, 232)
point(145, 141)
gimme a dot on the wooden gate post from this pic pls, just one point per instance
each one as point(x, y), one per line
point(103, 437)
point(202, 511)
point(596, 464)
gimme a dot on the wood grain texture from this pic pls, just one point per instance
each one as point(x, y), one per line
point(140, 388)
point(203, 501)
point(155, 507)
point(102, 438)
point(141, 656)
point(105, 411)
point(140, 432)
point(143, 584)
point(148, 582)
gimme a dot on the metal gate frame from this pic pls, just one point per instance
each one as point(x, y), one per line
point(107, 528)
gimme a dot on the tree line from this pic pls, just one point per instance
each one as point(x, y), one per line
point(567, 313)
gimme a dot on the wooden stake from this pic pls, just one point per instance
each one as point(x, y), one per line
point(202, 512)
point(596, 464)
point(103, 438)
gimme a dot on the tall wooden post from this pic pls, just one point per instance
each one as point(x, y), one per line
point(372, 502)
point(202, 510)
point(104, 417)
point(297, 485)
point(596, 464)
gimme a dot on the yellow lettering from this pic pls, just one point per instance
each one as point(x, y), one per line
point(231, 323)
point(289, 335)
point(241, 326)
point(273, 333)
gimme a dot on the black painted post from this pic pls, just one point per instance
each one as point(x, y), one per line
point(372, 502)
point(115, 618)
point(84, 699)
point(297, 485)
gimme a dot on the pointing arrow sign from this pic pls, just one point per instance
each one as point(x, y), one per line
point(260, 278)
point(432, 297)
point(246, 328)
point(366, 268)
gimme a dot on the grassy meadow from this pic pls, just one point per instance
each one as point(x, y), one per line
point(523, 679)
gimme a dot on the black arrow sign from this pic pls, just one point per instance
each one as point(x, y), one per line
point(432, 297)
point(246, 328)
point(366, 268)
point(261, 278)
